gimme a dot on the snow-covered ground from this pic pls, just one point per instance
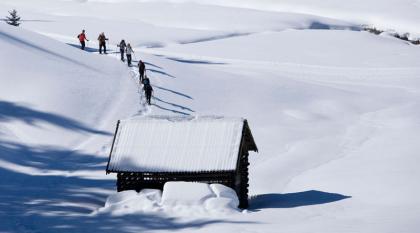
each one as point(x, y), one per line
point(334, 111)
point(399, 15)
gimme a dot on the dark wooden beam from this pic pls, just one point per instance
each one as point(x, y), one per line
point(112, 147)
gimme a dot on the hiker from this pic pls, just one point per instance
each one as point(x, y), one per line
point(122, 46)
point(148, 90)
point(128, 51)
point(102, 42)
point(82, 38)
point(145, 81)
point(142, 68)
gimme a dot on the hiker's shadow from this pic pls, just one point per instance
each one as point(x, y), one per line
point(173, 104)
point(160, 72)
point(291, 200)
point(87, 49)
point(170, 110)
point(173, 92)
point(148, 64)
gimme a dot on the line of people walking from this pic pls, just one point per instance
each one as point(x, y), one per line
point(147, 87)
point(125, 51)
point(101, 38)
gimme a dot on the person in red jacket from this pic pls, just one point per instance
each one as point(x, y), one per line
point(82, 38)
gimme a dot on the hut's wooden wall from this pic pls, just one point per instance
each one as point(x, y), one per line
point(242, 181)
point(138, 181)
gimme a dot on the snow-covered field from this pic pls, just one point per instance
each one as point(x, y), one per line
point(334, 110)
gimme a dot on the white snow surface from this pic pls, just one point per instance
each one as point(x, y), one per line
point(186, 193)
point(178, 198)
point(131, 202)
point(399, 15)
point(61, 90)
point(335, 111)
point(177, 144)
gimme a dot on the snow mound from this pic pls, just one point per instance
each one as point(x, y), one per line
point(182, 198)
point(186, 193)
point(131, 202)
point(222, 191)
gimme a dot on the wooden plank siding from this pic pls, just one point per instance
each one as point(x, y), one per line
point(139, 180)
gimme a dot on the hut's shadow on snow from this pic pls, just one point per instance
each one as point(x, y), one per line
point(291, 200)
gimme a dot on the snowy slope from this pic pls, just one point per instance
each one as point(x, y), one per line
point(51, 93)
point(302, 47)
point(334, 113)
point(58, 108)
point(399, 15)
point(142, 23)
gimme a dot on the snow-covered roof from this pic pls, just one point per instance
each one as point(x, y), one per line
point(177, 144)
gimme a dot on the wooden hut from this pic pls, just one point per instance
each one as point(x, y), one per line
point(149, 151)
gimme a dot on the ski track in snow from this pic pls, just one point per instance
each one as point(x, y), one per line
point(144, 108)
point(354, 138)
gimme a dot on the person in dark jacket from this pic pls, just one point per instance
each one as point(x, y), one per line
point(148, 91)
point(146, 80)
point(122, 46)
point(82, 38)
point(142, 69)
point(102, 42)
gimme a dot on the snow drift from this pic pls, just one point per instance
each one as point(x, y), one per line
point(177, 198)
